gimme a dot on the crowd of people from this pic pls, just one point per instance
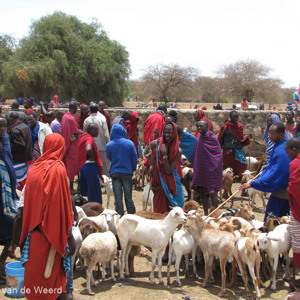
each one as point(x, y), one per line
point(42, 155)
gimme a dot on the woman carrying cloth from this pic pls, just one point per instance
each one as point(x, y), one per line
point(47, 220)
point(166, 183)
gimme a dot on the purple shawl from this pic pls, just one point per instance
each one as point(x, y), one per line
point(208, 162)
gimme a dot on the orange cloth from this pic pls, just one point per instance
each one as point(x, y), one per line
point(47, 206)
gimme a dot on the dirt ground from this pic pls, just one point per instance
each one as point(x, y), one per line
point(139, 286)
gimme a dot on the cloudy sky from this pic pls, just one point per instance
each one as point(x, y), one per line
point(204, 34)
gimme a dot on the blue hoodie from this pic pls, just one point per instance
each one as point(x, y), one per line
point(121, 152)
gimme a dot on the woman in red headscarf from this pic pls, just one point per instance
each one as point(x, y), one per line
point(200, 116)
point(47, 220)
point(133, 131)
point(166, 184)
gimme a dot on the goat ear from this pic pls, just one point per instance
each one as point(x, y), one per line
point(256, 234)
point(170, 207)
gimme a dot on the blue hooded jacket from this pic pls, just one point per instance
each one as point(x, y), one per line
point(121, 152)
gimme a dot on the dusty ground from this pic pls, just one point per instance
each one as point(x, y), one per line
point(139, 287)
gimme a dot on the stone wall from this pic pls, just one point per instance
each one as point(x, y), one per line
point(254, 122)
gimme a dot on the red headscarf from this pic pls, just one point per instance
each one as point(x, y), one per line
point(202, 116)
point(47, 196)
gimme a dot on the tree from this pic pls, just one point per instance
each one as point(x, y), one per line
point(250, 79)
point(7, 46)
point(169, 81)
point(65, 56)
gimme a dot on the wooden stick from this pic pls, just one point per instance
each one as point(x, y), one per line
point(222, 204)
point(50, 262)
point(145, 208)
point(249, 154)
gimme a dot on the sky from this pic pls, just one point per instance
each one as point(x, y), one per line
point(204, 34)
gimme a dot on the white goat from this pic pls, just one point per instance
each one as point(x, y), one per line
point(100, 247)
point(150, 198)
point(274, 243)
point(247, 253)
point(108, 188)
point(182, 243)
point(136, 231)
point(252, 192)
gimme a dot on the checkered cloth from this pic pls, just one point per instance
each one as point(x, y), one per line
point(67, 261)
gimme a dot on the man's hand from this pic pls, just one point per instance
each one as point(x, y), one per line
point(11, 251)
point(245, 186)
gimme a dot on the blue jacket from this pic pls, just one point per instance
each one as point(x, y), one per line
point(275, 176)
point(121, 152)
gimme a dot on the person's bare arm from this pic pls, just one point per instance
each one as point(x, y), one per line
point(169, 167)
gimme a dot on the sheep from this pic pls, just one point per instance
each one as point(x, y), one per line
point(182, 243)
point(92, 209)
point(147, 194)
point(247, 253)
point(81, 213)
point(252, 192)
point(87, 226)
point(107, 183)
point(190, 205)
point(186, 180)
point(107, 220)
point(274, 243)
point(137, 231)
point(100, 247)
point(213, 243)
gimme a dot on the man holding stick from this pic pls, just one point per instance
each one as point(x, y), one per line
point(275, 176)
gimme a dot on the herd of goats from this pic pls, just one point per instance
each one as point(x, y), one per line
point(232, 236)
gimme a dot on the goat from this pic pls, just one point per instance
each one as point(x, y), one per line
point(274, 243)
point(213, 243)
point(108, 188)
point(98, 247)
point(137, 231)
point(251, 191)
point(228, 179)
point(186, 180)
point(247, 253)
point(147, 194)
point(182, 243)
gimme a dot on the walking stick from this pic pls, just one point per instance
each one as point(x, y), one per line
point(222, 204)
point(145, 208)
point(249, 163)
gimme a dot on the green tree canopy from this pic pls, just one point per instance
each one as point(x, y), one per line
point(65, 56)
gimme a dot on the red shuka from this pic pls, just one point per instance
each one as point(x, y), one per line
point(160, 201)
point(84, 140)
point(47, 206)
point(156, 120)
